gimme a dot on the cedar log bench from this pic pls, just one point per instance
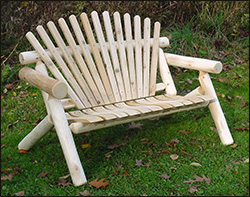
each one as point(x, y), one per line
point(105, 76)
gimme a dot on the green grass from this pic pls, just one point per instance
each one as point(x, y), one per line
point(222, 164)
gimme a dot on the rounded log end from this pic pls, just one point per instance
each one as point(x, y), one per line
point(60, 90)
point(21, 58)
point(218, 67)
point(164, 42)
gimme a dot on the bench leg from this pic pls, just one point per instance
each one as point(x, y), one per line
point(67, 142)
point(36, 134)
point(215, 109)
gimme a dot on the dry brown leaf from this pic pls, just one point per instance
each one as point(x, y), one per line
point(242, 128)
point(116, 146)
point(23, 151)
point(85, 193)
point(116, 172)
point(161, 152)
point(189, 181)
point(63, 182)
point(185, 132)
point(173, 168)
point(8, 177)
point(21, 193)
point(43, 174)
point(233, 146)
point(184, 152)
point(100, 183)
point(243, 104)
point(11, 85)
point(206, 179)
point(193, 188)
point(198, 178)
point(134, 125)
point(126, 174)
point(138, 162)
point(165, 176)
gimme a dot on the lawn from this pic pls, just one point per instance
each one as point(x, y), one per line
point(139, 161)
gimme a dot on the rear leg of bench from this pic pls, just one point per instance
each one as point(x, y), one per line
point(215, 109)
point(36, 134)
point(67, 142)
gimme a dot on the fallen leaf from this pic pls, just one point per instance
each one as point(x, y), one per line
point(85, 193)
point(234, 146)
point(63, 182)
point(43, 174)
point(134, 125)
point(17, 169)
point(138, 162)
point(174, 156)
point(165, 176)
point(116, 172)
point(144, 194)
point(172, 142)
point(198, 178)
point(242, 128)
point(85, 145)
point(193, 188)
point(206, 179)
point(98, 184)
point(108, 155)
point(116, 146)
point(195, 164)
point(243, 104)
point(148, 143)
point(189, 81)
point(246, 161)
point(195, 138)
point(21, 193)
point(23, 151)
point(64, 177)
point(126, 174)
point(189, 181)
point(173, 168)
point(11, 85)
point(6, 170)
point(184, 152)
point(185, 132)
point(161, 152)
point(8, 177)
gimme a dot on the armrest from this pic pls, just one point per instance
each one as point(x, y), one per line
point(52, 86)
point(201, 64)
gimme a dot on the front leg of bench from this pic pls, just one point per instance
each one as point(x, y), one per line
point(67, 142)
point(215, 109)
point(36, 134)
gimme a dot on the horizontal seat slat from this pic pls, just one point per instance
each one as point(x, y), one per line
point(79, 127)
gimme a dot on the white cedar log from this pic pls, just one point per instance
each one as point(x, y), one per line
point(205, 65)
point(36, 134)
point(67, 142)
point(196, 92)
point(166, 75)
point(52, 86)
point(29, 57)
point(215, 109)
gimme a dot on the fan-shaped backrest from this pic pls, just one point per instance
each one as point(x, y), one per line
point(99, 71)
